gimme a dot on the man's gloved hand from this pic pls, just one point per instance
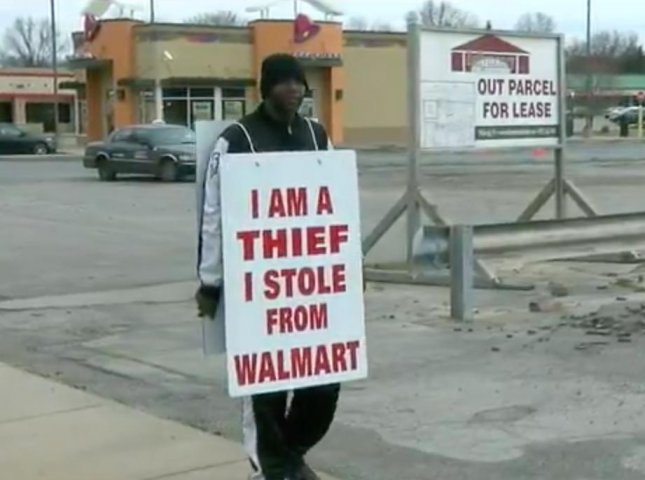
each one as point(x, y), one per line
point(207, 298)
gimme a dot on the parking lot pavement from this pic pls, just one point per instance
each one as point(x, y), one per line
point(98, 277)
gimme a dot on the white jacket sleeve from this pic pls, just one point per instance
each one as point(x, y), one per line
point(210, 242)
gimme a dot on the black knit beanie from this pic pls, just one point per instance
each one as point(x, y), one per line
point(278, 68)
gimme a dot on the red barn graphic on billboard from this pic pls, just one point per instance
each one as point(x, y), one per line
point(490, 54)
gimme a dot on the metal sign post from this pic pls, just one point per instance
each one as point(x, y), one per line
point(412, 201)
point(559, 186)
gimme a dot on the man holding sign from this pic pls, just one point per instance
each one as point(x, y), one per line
point(280, 244)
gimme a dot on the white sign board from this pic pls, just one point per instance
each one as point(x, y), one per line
point(293, 285)
point(488, 91)
point(207, 132)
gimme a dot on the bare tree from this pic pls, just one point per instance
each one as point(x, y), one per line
point(222, 17)
point(605, 44)
point(382, 27)
point(536, 22)
point(436, 13)
point(28, 43)
point(361, 24)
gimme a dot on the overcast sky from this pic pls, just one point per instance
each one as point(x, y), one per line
point(628, 15)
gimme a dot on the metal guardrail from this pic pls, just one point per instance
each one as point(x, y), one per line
point(459, 245)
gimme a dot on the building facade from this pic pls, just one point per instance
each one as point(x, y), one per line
point(357, 79)
point(27, 99)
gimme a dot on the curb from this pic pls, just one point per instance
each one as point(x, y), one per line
point(55, 157)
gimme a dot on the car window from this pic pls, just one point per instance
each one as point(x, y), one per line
point(168, 135)
point(9, 131)
point(124, 135)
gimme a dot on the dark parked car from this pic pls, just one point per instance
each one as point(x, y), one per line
point(14, 140)
point(165, 151)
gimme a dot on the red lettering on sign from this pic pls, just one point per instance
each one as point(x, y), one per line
point(293, 242)
point(274, 243)
point(248, 242)
point(353, 353)
point(297, 362)
point(324, 202)
point(248, 287)
point(316, 241)
point(288, 202)
point(246, 369)
point(305, 281)
point(338, 353)
point(255, 208)
point(267, 368)
point(301, 362)
point(297, 319)
point(322, 365)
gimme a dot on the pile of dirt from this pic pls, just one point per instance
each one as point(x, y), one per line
point(620, 320)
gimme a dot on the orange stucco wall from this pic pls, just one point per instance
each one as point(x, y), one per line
point(114, 42)
point(270, 36)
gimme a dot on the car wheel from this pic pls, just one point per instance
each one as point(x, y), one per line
point(168, 171)
point(106, 173)
point(40, 149)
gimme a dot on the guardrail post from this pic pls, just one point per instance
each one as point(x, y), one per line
point(462, 274)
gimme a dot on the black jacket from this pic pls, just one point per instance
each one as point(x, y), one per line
point(264, 135)
point(268, 135)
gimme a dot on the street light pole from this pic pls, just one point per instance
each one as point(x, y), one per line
point(159, 115)
point(589, 73)
point(54, 46)
point(588, 28)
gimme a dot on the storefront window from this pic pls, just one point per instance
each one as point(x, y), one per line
point(175, 111)
point(187, 105)
point(233, 109)
point(175, 92)
point(200, 92)
point(201, 110)
point(233, 103)
point(43, 113)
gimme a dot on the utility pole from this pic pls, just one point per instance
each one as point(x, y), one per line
point(155, 49)
point(589, 73)
point(54, 46)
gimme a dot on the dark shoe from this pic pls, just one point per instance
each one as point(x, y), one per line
point(303, 472)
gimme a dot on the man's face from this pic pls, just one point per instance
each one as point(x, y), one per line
point(288, 95)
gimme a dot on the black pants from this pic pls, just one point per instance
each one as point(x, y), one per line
point(277, 439)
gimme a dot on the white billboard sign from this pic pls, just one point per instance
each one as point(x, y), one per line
point(293, 287)
point(488, 90)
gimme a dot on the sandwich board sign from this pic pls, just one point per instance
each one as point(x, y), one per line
point(482, 89)
point(207, 133)
point(293, 280)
